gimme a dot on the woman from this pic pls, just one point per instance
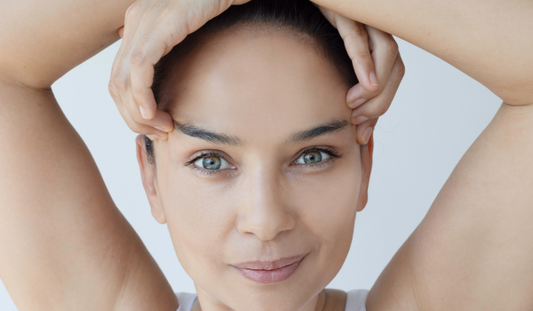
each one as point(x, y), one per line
point(78, 235)
point(464, 237)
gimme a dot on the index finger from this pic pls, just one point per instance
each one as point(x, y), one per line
point(356, 42)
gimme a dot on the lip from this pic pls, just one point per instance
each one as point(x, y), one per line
point(270, 271)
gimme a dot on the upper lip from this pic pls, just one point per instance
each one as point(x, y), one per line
point(269, 265)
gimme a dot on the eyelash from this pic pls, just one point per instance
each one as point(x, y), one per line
point(205, 154)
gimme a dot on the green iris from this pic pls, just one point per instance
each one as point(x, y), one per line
point(312, 157)
point(212, 163)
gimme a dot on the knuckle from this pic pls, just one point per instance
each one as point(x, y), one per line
point(115, 85)
point(392, 47)
point(112, 89)
point(401, 69)
point(363, 55)
point(355, 33)
point(133, 11)
point(377, 92)
point(137, 56)
point(377, 110)
point(117, 78)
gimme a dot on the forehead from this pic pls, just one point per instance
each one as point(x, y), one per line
point(257, 82)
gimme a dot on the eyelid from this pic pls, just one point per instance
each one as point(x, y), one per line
point(205, 154)
point(327, 150)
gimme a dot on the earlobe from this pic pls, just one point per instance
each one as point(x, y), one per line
point(148, 176)
point(366, 168)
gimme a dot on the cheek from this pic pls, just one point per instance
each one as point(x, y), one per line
point(198, 217)
point(327, 210)
point(328, 205)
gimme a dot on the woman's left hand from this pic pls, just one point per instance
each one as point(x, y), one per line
point(378, 66)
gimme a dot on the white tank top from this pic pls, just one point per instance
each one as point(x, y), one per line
point(354, 302)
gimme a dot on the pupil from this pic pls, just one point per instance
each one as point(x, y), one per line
point(312, 157)
point(211, 163)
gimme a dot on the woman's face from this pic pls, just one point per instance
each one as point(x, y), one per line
point(281, 175)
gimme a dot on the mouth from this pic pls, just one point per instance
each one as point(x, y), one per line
point(270, 271)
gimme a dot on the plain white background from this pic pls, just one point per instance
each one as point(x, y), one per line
point(437, 113)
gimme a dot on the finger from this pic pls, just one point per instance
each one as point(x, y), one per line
point(380, 104)
point(355, 39)
point(162, 121)
point(144, 128)
point(328, 14)
point(119, 80)
point(384, 54)
point(356, 44)
point(121, 31)
point(144, 56)
point(365, 130)
point(136, 58)
point(129, 109)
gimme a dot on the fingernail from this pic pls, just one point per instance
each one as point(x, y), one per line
point(373, 78)
point(144, 114)
point(357, 103)
point(366, 135)
point(360, 119)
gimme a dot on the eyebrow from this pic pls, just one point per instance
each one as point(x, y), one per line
point(322, 129)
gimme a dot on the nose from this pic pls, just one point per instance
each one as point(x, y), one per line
point(264, 210)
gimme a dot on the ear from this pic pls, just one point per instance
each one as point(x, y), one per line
point(366, 168)
point(149, 179)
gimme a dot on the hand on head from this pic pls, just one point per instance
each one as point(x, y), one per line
point(153, 27)
point(378, 66)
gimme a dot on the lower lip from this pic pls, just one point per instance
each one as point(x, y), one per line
point(270, 276)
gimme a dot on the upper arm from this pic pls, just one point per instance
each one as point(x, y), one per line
point(491, 41)
point(65, 246)
point(474, 248)
point(42, 40)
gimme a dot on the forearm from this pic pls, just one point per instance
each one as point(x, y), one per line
point(42, 40)
point(491, 41)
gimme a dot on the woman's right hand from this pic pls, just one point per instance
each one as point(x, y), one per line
point(151, 29)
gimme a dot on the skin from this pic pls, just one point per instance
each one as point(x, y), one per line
point(266, 206)
point(475, 243)
point(74, 250)
point(153, 27)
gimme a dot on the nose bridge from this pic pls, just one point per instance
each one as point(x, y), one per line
point(264, 209)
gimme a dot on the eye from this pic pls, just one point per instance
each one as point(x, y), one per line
point(212, 163)
point(312, 157)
